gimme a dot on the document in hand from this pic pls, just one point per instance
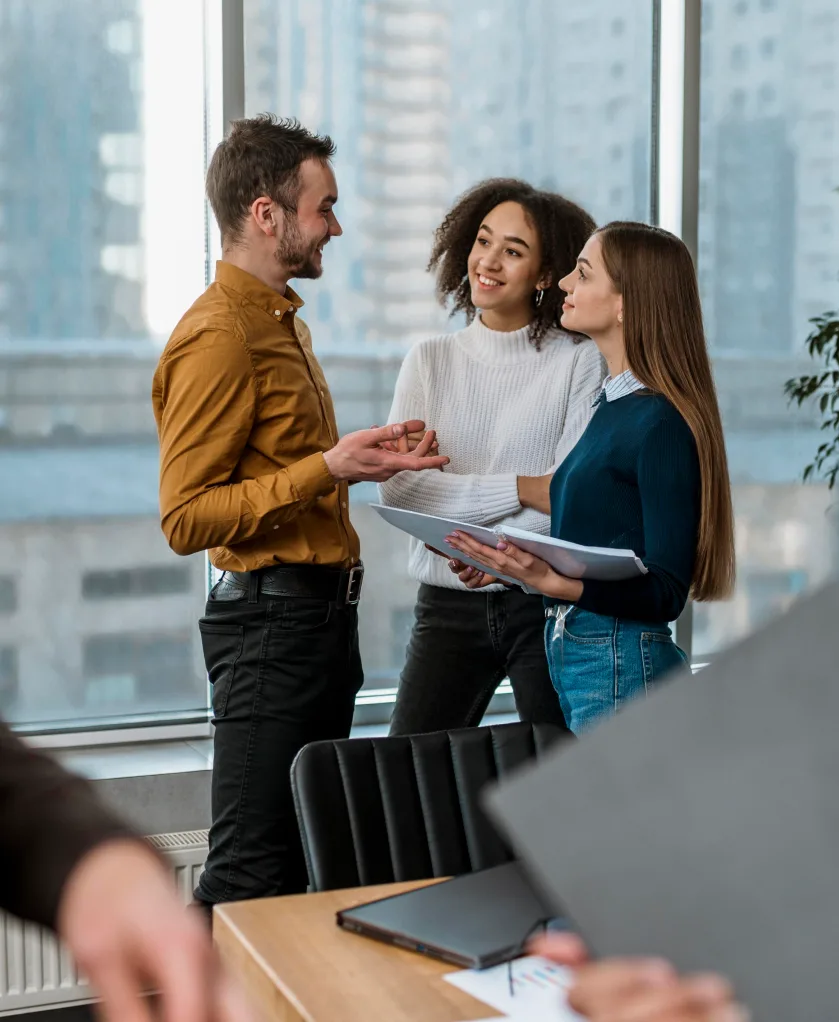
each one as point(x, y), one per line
point(568, 559)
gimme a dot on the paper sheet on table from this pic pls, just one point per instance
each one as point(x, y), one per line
point(539, 989)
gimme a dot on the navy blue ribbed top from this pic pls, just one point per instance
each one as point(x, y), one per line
point(633, 481)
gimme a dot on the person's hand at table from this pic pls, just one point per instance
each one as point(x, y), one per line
point(127, 929)
point(638, 989)
point(509, 560)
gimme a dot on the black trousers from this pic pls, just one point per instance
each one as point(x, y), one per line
point(284, 672)
point(462, 645)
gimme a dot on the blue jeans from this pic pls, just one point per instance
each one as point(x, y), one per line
point(599, 663)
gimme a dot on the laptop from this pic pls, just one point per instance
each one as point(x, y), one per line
point(702, 823)
point(475, 920)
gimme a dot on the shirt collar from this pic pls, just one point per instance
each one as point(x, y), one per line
point(615, 387)
point(255, 291)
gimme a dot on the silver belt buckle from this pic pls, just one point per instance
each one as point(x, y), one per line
point(354, 579)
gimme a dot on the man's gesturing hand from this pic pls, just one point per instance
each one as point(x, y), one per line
point(359, 457)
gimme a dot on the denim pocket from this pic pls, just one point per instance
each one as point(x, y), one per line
point(222, 645)
point(659, 656)
point(586, 627)
point(303, 614)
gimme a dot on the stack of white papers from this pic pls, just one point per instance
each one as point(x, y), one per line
point(570, 559)
point(529, 989)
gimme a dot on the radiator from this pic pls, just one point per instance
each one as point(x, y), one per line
point(37, 972)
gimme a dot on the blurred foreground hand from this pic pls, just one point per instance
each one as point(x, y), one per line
point(129, 932)
point(638, 989)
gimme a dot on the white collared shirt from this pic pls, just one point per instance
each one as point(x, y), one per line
point(615, 387)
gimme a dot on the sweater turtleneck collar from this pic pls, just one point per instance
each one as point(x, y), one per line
point(497, 347)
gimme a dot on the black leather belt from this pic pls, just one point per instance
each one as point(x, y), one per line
point(313, 581)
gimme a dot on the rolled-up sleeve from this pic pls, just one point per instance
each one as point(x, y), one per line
point(206, 397)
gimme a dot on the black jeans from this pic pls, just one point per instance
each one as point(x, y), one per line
point(462, 645)
point(284, 672)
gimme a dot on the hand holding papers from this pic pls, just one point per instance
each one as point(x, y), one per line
point(569, 559)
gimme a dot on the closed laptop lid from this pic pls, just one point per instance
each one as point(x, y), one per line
point(702, 823)
point(477, 919)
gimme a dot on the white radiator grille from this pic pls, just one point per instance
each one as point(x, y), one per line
point(36, 972)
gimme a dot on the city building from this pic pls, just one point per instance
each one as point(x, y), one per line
point(71, 182)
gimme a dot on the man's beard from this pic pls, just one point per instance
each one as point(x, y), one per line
point(293, 254)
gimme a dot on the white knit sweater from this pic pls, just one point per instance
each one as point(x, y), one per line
point(501, 409)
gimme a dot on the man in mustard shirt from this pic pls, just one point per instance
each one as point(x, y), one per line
point(252, 470)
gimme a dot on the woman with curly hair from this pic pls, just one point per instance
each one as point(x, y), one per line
point(509, 396)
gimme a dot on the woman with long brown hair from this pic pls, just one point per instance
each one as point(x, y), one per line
point(649, 473)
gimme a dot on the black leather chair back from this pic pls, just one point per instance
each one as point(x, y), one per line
point(377, 810)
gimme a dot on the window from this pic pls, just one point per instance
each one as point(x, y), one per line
point(540, 115)
point(766, 94)
point(739, 57)
point(135, 582)
point(761, 230)
point(9, 676)
point(102, 155)
point(141, 672)
point(8, 594)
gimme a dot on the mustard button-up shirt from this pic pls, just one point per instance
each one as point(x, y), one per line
point(244, 415)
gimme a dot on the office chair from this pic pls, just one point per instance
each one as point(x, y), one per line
point(378, 810)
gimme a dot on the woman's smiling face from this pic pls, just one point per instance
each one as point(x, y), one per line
point(505, 264)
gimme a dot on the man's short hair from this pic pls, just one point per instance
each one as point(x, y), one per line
point(260, 156)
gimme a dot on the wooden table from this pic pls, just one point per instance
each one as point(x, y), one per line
point(299, 966)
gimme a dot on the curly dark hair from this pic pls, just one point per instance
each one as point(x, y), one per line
point(563, 229)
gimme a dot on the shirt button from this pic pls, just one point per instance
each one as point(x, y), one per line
point(278, 312)
point(343, 503)
point(276, 527)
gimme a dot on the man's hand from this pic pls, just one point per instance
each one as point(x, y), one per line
point(122, 920)
point(411, 440)
point(638, 989)
point(360, 457)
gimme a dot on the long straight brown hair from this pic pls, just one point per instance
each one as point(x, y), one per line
point(665, 348)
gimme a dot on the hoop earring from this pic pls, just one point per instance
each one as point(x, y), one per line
point(540, 296)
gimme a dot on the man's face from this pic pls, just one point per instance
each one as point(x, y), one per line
point(300, 246)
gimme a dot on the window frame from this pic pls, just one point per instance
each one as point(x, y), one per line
point(674, 183)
